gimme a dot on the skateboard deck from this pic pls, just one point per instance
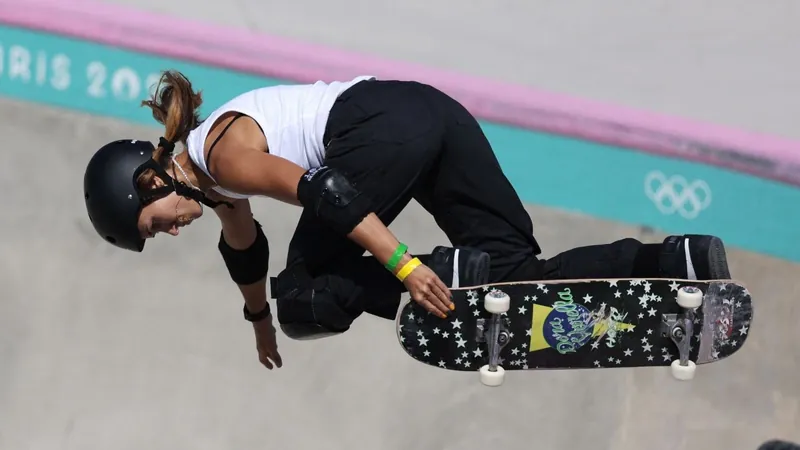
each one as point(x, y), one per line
point(580, 324)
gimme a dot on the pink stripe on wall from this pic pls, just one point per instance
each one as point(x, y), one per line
point(765, 156)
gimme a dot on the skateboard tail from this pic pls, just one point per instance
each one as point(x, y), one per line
point(727, 317)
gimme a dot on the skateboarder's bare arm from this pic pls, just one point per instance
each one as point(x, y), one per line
point(250, 170)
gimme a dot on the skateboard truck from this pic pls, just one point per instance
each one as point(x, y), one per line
point(680, 328)
point(495, 333)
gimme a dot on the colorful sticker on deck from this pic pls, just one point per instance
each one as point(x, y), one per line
point(567, 326)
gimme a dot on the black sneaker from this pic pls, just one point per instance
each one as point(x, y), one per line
point(694, 257)
point(460, 266)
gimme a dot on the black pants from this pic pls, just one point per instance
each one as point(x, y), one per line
point(398, 140)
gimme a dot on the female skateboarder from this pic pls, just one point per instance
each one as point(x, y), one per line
point(352, 154)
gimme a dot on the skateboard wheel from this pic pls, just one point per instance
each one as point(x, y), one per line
point(690, 297)
point(683, 373)
point(497, 302)
point(490, 378)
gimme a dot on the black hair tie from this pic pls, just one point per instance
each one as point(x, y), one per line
point(166, 145)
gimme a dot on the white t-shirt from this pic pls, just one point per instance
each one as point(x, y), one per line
point(292, 117)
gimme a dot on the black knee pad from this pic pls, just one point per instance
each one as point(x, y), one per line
point(315, 310)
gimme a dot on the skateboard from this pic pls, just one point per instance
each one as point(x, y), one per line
point(580, 324)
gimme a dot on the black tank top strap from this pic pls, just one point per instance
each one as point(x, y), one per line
point(211, 149)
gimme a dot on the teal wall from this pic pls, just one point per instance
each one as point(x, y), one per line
point(670, 195)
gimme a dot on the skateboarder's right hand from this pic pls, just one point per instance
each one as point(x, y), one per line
point(428, 290)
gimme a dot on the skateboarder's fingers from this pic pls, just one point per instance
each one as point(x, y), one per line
point(277, 358)
point(265, 361)
point(423, 297)
point(431, 308)
point(434, 296)
point(442, 294)
point(270, 359)
point(445, 294)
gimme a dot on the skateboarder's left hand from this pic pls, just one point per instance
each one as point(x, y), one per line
point(267, 344)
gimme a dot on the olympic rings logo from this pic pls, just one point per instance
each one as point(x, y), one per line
point(676, 194)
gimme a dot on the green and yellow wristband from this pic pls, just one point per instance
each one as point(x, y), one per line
point(407, 268)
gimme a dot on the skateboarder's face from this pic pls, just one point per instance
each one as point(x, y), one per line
point(167, 214)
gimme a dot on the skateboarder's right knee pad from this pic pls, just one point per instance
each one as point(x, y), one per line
point(312, 312)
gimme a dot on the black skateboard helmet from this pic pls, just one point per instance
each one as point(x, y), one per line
point(113, 201)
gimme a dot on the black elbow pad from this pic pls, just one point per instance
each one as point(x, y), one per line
point(249, 265)
point(332, 197)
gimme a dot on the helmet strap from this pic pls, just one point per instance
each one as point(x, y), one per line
point(173, 185)
point(185, 191)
